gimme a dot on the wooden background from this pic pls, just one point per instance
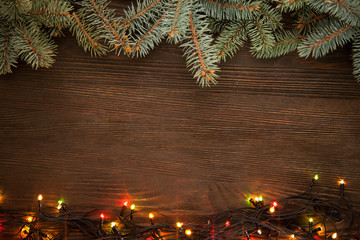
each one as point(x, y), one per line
point(95, 131)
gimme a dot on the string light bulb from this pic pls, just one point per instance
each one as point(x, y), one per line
point(113, 224)
point(311, 221)
point(342, 187)
point(179, 224)
point(40, 198)
point(272, 209)
point(132, 207)
point(188, 232)
point(227, 223)
point(334, 236)
point(292, 236)
point(261, 198)
point(151, 216)
point(125, 203)
point(316, 177)
point(29, 219)
point(259, 231)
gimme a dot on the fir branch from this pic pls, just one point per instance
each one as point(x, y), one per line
point(286, 42)
point(8, 53)
point(176, 21)
point(149, 38)
point(306, 22)
point(346, 10)
point(52, 13)
point(270, 14)
point(356, 57)
point(231, 39)
point(290, 5)
point(201, 57)
point(261, 36)
point(141, 12)
point(232, 10)
point(14, 10)
point(323, 40)
point(87, 37)
point(35, 47)
point(112, 30)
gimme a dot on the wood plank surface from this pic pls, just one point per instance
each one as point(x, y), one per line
point(97, 130)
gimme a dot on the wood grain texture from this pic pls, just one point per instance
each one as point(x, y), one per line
point(96, 130)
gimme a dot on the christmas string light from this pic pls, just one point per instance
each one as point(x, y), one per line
point(321, 216)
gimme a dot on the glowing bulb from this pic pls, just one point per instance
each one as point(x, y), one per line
point(316, 177)
point(334, 236)
point(40, 197)
point(60, 202)
point(272, 209)
point(179, 224)
point(102, 216)
point(125, 203)
point(293, 236)
point(132, 206)
point(59, 207)
point(256, 199)
point(261, 198)
point(188, 232)
point(227, 223)
point(259, 231)
point(151, 216)
point(311, 220)
point(275, 204)
point(341, 182)
point(113, 224)
point(29, 219)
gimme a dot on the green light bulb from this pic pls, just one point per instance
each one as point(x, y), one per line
point(316, 177)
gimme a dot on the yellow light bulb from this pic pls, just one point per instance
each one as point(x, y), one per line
point(113, 224)
point(188, 232)
point(40, 197)
point(132, 206)
point(293, 236)
point(272, 209)
point(151, 216)
point(256, 199)
point(59, 206)
point(29, 219)
point(334, 236)
point(311, 220)
point(341, 182)
point(259, 231)
point(179, 224)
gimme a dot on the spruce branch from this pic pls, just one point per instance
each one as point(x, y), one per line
point(320, 41)
point(231, 39)
point(346, 10)
point(306, 22)
point(14, 10)
point(52, 13)
point(176, 20)
point(149, 38)
point(87, 36)
point(8, 55)
point(285, 42)
point(231, 10)
point(261, 36)
point(35, 46)
point(201, 58)
point(356, 57)
point(141, 13)
point(103, 19)
point(290, 5)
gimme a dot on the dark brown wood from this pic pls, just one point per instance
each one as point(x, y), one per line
point(96, 130)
